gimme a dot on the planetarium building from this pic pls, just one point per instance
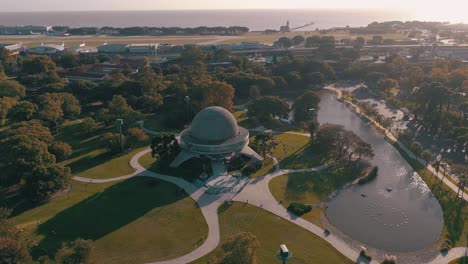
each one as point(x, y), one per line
point(214, 133)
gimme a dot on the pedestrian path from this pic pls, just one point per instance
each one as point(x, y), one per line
point(257, 193)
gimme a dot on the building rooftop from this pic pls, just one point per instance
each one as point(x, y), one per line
point(214, 124)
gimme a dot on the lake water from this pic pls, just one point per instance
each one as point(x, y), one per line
point(254, 19)
point(406, 219)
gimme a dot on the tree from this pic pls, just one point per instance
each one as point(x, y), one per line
point(61, 150)
point(6, 104)
point(437, 164)
point(51, 108)
point(32, 128)
point(373, 78)
point(22, 155)
point(364, 149)
point(212, 93)
point(306, 106)
point(340, 143)
point(426, 155)
point(84, 90)
point(415, 77)
point(387, 84)
point(69, 59)
point(461, 171)
point(88, 125)
point(76, 252)
point(359, 42)
point(284, 42)
point(416, 148)
point(298, 40)
point(312, 127)
point(46, 181)
point(266, 107)
point(165, 147)
point(71, 106)
point(22, 111)
point(136, 137)
point(12, 88)
point(37, 65)
point(239, 249)
point(13, 251)
point(192, 54)
point(111, 141)
point(118, 108)
point(264, 143)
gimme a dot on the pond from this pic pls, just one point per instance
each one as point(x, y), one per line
point(408, 218)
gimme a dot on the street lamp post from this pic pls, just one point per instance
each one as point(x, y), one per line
point(187, 100)
point(120, 124)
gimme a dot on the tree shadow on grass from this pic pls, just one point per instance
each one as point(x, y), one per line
point(305, 157)
point(89, 162)
point(106, 212)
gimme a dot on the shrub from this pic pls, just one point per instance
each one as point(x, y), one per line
point(78, 251)
point(61, 150)
point(88, 125)
point(389, 259)
point(370, 176)
point(111, 141)
point(363, 253)
point(299, 209)
point(136, 137)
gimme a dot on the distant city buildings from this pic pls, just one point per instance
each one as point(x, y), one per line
point(46, 49)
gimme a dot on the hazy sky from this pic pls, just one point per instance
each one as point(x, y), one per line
point(427, 9)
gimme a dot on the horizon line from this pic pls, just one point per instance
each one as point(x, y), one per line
point(199, 9)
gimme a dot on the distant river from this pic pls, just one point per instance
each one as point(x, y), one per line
point(406, 219)
point(254, 19)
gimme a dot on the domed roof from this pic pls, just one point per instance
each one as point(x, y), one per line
point(214, 124)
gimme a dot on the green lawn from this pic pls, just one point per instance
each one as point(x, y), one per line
point(272, 231)
point(133, 221)
point(89, 158)
point(118, 166)
point(455, 210)
point(289, 145)
point(310, 188)
point(463, 260)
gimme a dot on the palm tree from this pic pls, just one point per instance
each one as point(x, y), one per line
point(444, 165)
point(462, 173)
point(437, 164)
point(426, 156)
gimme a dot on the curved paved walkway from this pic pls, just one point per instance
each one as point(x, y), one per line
point(257, 193)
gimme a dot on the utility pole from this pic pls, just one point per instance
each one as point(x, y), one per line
point(120, 124)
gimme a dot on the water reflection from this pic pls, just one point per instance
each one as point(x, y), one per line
point(408, 218)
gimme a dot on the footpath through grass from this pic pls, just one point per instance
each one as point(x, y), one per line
point(272, 231)
point(134, 221)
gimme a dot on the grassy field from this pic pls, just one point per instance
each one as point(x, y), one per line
point(310, 188)
point(134, 221)
point(272, 231)
point(89, 158)
point(463, 260)
point(455, 210)
point(289, 144)
point(115, 167)
point(32, 40)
